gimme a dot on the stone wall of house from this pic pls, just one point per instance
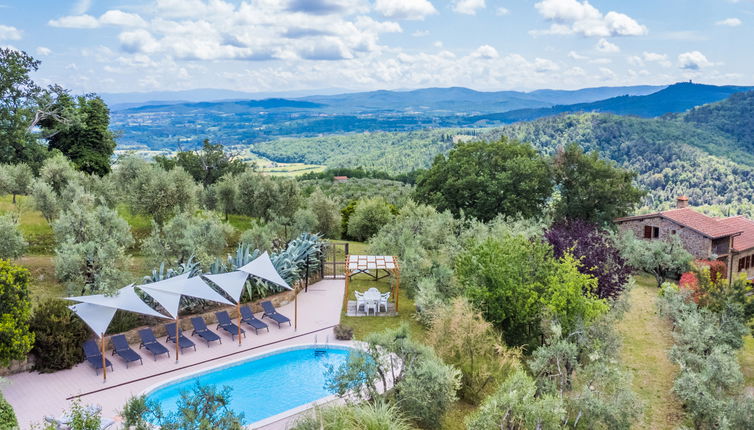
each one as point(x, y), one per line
point(696, 244)
point(750, 271)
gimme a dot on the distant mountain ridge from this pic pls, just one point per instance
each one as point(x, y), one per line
point(675, 98)
point(447, 100)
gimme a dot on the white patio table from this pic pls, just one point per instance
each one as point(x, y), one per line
point(372, 300)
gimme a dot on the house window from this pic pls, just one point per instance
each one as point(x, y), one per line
point(651, 232)
point(747, 262)
point(740, 264)
point(672, 231)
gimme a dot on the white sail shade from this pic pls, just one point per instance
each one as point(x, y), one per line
point(262, 267)
point(168, 292)
point(125, 299)
point(95, 316)
point(231, 282)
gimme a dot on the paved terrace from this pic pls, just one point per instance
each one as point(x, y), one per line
point(34, 395)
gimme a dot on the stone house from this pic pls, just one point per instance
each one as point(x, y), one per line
point(730, 240)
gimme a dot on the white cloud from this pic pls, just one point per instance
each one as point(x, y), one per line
point(8, 32)
point(653, 57)
point(580, 17)
point(729, 22)
point(604, 46)
point(111, 17)
point(125, 19)
point(576, 56)
point(501, 11)
point(75, 21)
point(486, 52)
point(420, 33)
point(43, 51)
point(693, 60)
point(468, 7)
point(405, 9)
point(635, 61)
point(81, 6)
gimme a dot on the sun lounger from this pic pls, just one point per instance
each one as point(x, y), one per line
point(200, 328)
point(124, 351)
point(149, 342)
point(183, 341)
point(247, 316)
point(224, 322)
point(94, 356)
point(271, 313)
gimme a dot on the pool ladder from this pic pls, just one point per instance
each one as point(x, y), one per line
point(320, 350)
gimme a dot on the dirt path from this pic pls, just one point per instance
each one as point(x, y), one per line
point(646, 339)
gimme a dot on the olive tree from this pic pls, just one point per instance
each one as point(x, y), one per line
point(15, 179)
point(327, 213)
point(91, 253)
point(204, 237)
point(12, 243)
point(368, 218)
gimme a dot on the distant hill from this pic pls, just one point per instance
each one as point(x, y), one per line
point(706, 153)
point(241, 106)
point(461, 100)
point(673, 99)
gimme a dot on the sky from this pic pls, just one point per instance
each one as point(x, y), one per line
point(109, 46)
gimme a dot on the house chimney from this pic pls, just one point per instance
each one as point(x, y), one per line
point(682, 202)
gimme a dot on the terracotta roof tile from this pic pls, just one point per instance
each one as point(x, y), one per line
point(706, 225)
point(746, 226)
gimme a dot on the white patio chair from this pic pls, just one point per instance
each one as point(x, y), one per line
point(371, 305)
point(383, 300)
point(360, 302)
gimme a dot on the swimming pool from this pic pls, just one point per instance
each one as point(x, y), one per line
point(264, 386)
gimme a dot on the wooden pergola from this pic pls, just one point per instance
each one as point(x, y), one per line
point(371, 265)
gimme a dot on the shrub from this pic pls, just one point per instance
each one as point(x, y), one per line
point(8, 419)
point(515, 281)
point(15, 311)
point(12, 243)
point(59, 334)
point(84, 417)
point(427, 390)
point(462, 338)
point(515, 405)
point(135, 413)
point(364, 416)
point(343, 332)
point(595, 250)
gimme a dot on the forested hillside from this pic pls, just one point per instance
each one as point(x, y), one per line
point(705, 153)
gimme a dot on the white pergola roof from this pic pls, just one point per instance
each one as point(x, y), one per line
point(168, 292)
point(95, 316)
point(231, 282)
point(371, 262)
point(262, 267)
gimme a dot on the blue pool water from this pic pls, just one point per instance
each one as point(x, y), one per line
point(263, 387)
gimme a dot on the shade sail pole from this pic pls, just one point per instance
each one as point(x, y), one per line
point(295, 310)
point(104, 360)
point(177, 338)
point(238, 308)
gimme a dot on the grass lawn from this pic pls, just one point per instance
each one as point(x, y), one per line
point(646, 340)
point(32, 224)
point(746, 358)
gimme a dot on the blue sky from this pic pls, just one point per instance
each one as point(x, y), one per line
point(282, 45)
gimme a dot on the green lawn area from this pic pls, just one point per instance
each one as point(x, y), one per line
point(32, 224)
point(646, 340)
point(746, 358)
